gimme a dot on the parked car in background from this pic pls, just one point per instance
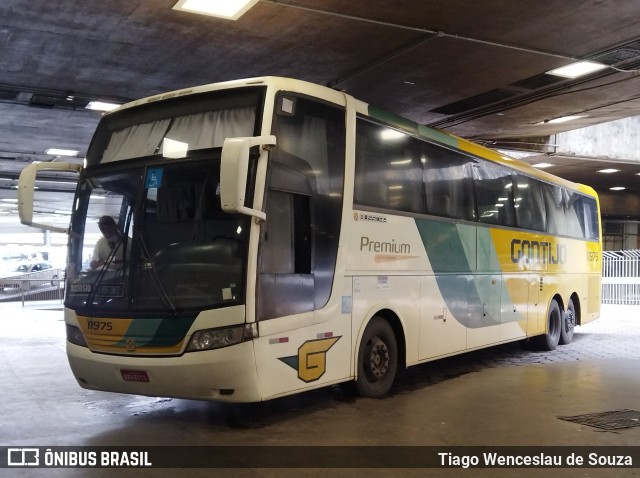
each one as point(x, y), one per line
point(28, 275)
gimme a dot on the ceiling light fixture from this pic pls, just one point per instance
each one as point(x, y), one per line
point(227, 9)
point(61, 152)
point(542, 165)
point(608, 171)
point(618, 188)
point(101, 106)
point(575, 70)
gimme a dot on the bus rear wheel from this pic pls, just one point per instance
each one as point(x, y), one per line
point(377, 359)
point(568, 324)
point(551, 338)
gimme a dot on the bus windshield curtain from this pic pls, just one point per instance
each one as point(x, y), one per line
point(197, 131)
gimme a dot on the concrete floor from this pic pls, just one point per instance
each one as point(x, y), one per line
point(503, 396)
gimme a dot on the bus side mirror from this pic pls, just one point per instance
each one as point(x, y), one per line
point(26, 188)
point(234, 168)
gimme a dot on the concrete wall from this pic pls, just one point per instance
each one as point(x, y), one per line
point(614, 140)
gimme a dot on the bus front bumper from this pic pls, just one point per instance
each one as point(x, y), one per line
point(227, 374)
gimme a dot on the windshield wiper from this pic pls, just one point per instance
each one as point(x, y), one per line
point(155, 278)
point(122, 241)
point(105, 267)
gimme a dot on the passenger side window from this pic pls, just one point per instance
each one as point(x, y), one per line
point(448, 182)
point(529, 204)
point(494, 194)
point(554, 208)
point(590, 211)
point(586, 209)
point(574, 216)
point(397, 171)
point(388, 169)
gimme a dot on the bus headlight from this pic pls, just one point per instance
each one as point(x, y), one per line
point(74, 335)
point(209, 339)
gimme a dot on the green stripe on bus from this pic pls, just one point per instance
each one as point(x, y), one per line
point(451, 249)
point(412, 127)
point(444, 246)
point(164, 332)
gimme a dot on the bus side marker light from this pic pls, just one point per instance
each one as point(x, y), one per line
point(324, 335)
point(279, 340)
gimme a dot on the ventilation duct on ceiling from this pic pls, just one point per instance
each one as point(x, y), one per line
point(474, 102)
point(46, 101)
point(538, 81)
point(8, 95)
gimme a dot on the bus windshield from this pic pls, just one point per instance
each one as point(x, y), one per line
point(148, 233)
point(166, 245)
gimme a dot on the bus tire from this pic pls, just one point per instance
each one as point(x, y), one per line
point(550, 339)
point(377, 359)
point(568, 324)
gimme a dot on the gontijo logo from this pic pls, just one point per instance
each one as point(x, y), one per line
point(311, 361)
point(538, 252)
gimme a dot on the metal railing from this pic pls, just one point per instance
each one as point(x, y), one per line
point(621, 277)
point(37, 286)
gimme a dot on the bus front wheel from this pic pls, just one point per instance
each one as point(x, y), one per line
point(551, 338)
point(377, 359)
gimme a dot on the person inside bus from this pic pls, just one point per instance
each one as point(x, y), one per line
point(109, 240)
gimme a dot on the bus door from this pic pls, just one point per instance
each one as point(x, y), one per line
point(304, 338)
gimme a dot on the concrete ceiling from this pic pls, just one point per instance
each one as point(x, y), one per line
point(474, 68)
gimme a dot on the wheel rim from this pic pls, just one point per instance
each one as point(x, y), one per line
point(571, 321)
point(378, 359)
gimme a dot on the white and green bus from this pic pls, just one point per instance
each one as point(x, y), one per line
point(276, 236)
